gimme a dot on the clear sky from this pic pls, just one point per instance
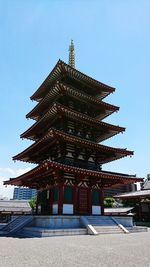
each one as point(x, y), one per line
point(112, 42)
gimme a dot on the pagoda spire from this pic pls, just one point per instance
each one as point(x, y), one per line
point(72, 55)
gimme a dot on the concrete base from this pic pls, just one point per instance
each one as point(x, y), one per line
point(126, 221)
point(54, 225)
point(137, 229)
point(44, 232)
point(57, 222)
point(60, 225)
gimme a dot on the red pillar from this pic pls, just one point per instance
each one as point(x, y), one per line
point(75, 199)
point(60, 199)
point(102, 201)
point(89, 201)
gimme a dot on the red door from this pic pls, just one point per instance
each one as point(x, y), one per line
point(83, 201)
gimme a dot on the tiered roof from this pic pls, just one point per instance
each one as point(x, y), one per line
point(42, 173)
point(54, 136)
point(67, 82)
point(59, 89)
point(57, 111)
point(64, 70)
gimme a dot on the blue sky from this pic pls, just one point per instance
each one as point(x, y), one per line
point(112, 42)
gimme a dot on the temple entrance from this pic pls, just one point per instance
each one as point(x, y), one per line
point(83, 201)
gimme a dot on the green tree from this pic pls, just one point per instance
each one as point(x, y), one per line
point(32, 203)
point(109, 202)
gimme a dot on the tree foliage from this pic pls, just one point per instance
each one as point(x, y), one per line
point(32, 203)
point(109, 202)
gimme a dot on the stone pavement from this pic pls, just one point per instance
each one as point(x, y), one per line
point(114, 250)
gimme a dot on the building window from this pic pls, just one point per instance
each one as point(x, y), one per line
point(55, 194)
point(68, 194)
point(96, 198)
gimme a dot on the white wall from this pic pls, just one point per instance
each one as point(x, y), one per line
point(67, 209)
point(55, 209)
point(96, 210)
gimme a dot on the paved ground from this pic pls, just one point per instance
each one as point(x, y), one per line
point(86, 251)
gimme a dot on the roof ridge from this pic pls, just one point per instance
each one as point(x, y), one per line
point(92, 79)
point(64, 67)
point(59, 107)
point(52, 132)
point(61, 86)
point(47, 163)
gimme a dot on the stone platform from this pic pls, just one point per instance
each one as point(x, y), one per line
point(57, 225)
point(57, 222)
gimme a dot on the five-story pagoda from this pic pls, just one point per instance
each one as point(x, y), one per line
point(67, 131)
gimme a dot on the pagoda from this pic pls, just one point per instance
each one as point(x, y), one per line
point(67, 149)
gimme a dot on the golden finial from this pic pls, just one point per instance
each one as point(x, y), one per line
point(71, 55)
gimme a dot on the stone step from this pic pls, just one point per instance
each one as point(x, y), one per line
point(109, 232)
point(105, 233)
point(102, 221)
point(102, 224)
point(107, 229)
point(136, 229)
point(16, 224)
point(98, 218)
point(43, 232)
